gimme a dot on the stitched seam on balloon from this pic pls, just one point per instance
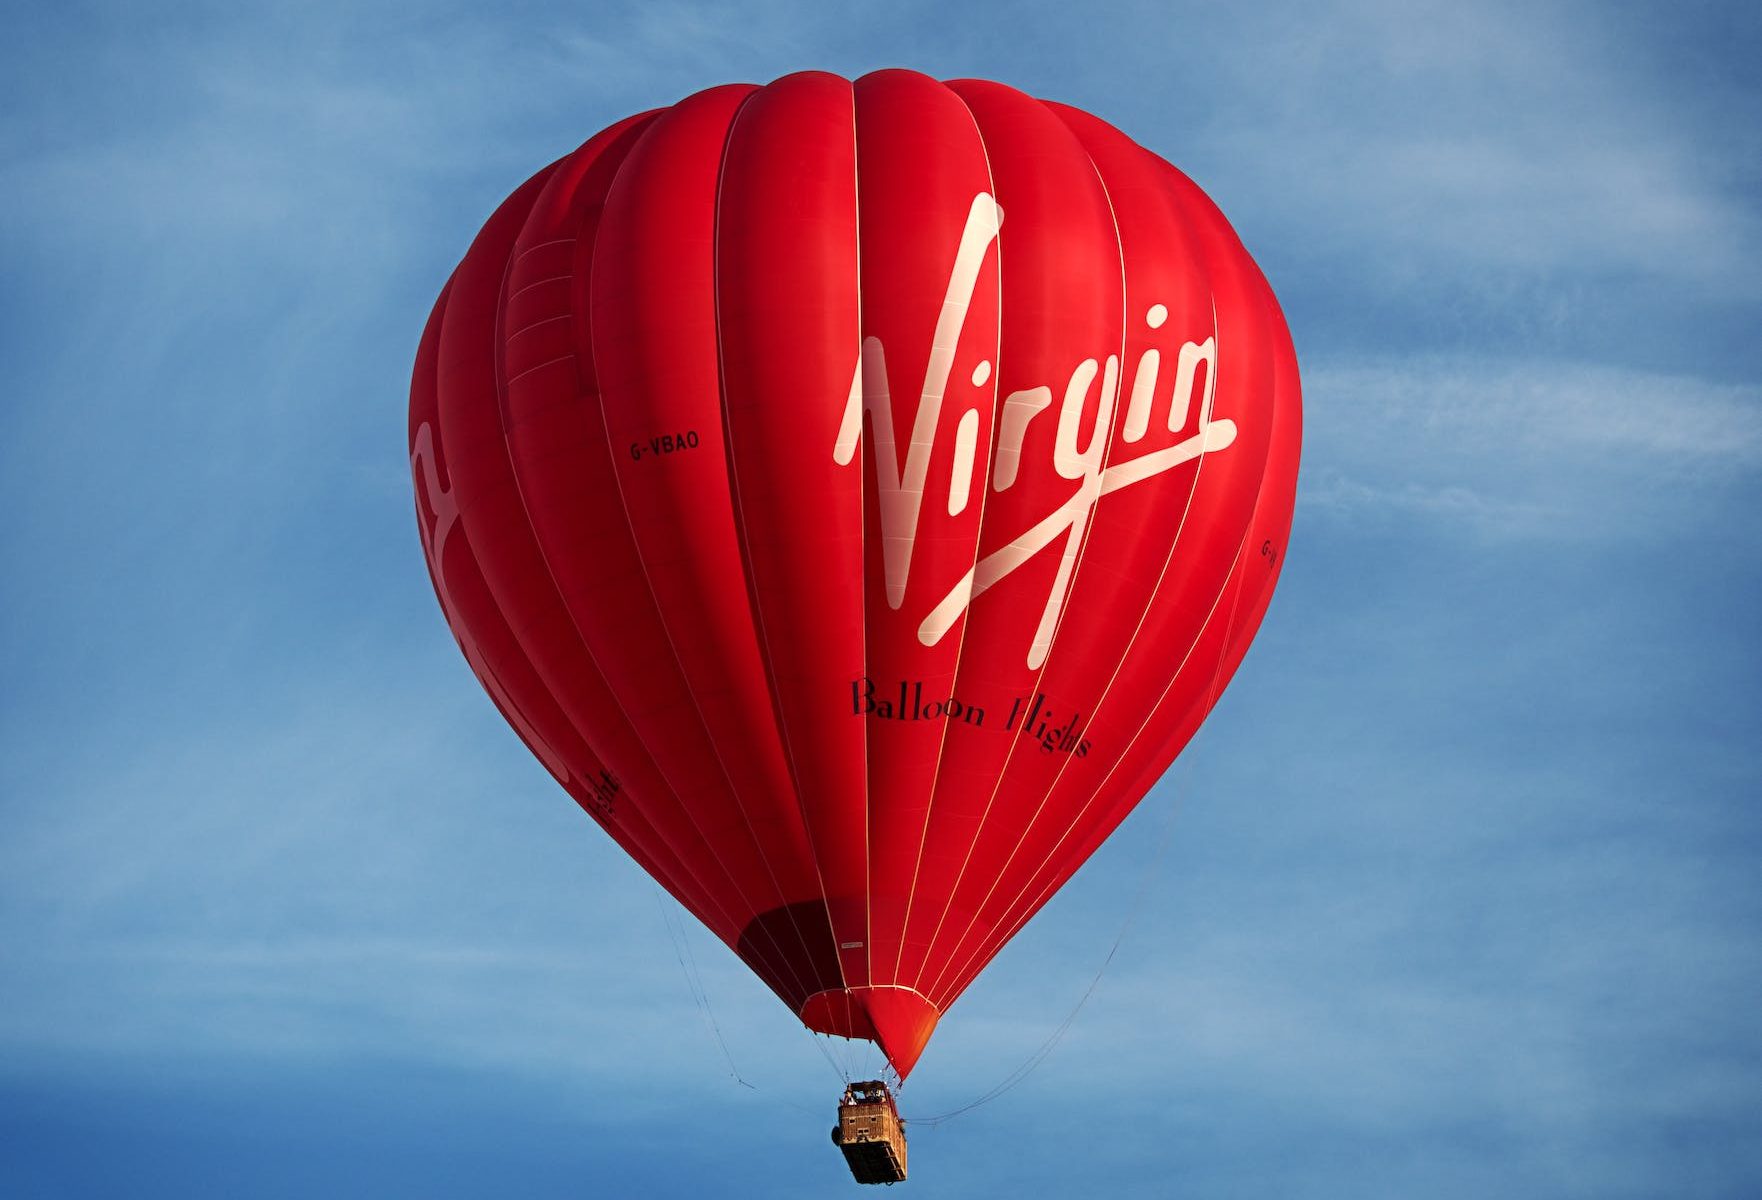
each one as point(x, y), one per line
point(1016, 740)
point(741, 543)
point(994, 942)
point(679, 668)
point(978, 541)
point(549, 362)
point(856, 201)
point(1214, 688)
point(431, 489)
point(734, 791)
point(464, 535)
point(525, 725)
point(524, 288)
point(872, 987)
point(532, 325)
point(1051, 886)
point(1076, 570)
point(515, 261)
point(1047, 795)
point(677, 866)
point(876, 987)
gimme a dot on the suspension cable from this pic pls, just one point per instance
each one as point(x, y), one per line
point(680, 937)
point(1033, 1061)
point(1181, 789)
point(695, 985)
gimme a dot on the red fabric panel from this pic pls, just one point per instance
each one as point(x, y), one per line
point(856, 495)
point(929, 267)
point(1122, 637)
point(490, 647)
point(785, 295)
point(562, 460)
point(1062, 317)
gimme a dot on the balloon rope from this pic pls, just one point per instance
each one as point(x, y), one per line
point(700, 994)
point(820, 1045)
point(1046, 1048)
point(695, 985)
point(1182, 787)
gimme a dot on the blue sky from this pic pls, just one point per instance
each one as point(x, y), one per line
point(1463, 894)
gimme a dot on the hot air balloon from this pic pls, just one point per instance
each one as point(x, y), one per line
point(856, 494)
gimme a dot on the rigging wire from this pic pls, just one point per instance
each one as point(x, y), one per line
point(678, 935)
point(847, 1070)
point(1033, 1061)
point(822, 1044)
point(1182, 788)
point(695, 985)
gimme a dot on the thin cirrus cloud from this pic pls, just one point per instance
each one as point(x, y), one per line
point(1526, 446)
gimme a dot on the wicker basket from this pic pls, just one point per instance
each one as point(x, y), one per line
point(871, 1134)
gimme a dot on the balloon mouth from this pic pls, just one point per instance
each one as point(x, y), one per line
point(896, 1018)
point(792, 949)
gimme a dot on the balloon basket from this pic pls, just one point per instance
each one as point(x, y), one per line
point(870, 1133)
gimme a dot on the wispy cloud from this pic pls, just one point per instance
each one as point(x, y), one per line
point(1533, 447)
point(1469, 141)
point(1494, 404)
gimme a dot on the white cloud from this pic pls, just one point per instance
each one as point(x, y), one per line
point(1349, 497)
point(1521, 446)
point(1547, 407)
point(1463, 145)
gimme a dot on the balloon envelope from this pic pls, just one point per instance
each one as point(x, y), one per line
point(856, 494)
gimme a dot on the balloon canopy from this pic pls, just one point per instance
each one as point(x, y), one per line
point(856, 494)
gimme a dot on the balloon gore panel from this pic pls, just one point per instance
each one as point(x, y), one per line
point(856, 495)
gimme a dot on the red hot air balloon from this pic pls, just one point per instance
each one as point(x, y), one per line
point(856, 494)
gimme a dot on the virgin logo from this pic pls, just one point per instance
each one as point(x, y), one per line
point(902, 488)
